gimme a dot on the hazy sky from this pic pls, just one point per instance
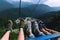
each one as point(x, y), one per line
point(51, 3)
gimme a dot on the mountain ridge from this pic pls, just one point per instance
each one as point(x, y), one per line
point(5, 5)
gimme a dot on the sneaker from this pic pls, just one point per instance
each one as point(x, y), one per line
point(36, 25)
point(20, 22)
point(28, 26)
point(41, 25)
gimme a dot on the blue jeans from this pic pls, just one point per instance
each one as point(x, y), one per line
point(41, 34)
point(44, 37)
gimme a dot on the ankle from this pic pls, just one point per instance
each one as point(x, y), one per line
point(21, 28)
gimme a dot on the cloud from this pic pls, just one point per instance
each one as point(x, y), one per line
point(54, 3)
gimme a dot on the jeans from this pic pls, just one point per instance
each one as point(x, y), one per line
point(41, 34)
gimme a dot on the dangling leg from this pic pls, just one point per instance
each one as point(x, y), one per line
point(21, 34)
point(51, 31)
point(6, 36)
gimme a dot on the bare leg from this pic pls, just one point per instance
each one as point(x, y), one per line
point(58, 38)
point(42, 31)
point(46, 32)
point(21, 34)
point(51, 31)
point(29, 29)
point(42, 27)
point(6, 36)
point(30, 32)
